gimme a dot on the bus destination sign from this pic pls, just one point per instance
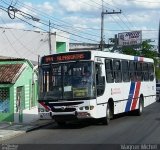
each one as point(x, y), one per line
point(66, 57)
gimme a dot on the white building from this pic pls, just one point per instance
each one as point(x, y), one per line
point(31, 44)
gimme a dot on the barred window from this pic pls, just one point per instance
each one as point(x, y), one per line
point(4, 100)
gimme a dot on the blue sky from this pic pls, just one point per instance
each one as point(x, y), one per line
point(81, 18)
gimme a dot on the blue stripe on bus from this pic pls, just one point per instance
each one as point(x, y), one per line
point(130, 97)
point(135, 58)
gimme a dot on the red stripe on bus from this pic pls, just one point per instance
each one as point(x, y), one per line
point(45, 106)
point(135, 99)
point(141, 59)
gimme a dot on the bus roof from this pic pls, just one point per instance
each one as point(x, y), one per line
point(89, 55)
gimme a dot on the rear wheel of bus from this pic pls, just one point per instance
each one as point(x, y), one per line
point(139, 111)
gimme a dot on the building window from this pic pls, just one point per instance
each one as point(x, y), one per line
point(4, 100)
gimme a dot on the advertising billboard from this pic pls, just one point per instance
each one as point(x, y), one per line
point(130, 38)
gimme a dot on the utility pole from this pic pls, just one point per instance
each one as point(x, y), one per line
point(102, 24)
point(49, 35)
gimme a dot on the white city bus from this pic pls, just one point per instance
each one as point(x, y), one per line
point(116, 83)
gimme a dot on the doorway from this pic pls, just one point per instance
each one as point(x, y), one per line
point(20, 101)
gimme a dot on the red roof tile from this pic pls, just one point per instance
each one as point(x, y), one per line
point(9, 72)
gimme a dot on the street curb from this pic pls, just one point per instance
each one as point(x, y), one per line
point(18, 133)
point(7, 137)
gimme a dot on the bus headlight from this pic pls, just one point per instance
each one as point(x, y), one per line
point(81, 108)
point(86, 108)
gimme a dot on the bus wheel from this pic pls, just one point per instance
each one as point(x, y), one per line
point(139, 111)
point(106, 120)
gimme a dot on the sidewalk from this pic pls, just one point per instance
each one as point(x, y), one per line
point(10, 130)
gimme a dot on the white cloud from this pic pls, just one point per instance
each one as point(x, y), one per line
point(28, 8)
point(134, 4)
point(147, 4)
point(77, 6)
point(140, 17)
point(46, 7)
point(83, 21)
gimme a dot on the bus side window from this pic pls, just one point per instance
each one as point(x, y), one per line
point(139, 71)
point(100, 80)
point(109, 70)
point(151, 71)
point(125, 71)
point(117, 70)
point(132, 71)
point(145, 71)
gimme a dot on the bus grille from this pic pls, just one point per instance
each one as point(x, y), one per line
point(63, 109)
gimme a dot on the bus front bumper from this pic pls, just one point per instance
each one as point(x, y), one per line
point(74, 114)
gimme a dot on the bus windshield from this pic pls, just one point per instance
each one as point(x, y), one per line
point(67, 81)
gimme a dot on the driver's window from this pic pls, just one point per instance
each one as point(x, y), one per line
point(100, 80)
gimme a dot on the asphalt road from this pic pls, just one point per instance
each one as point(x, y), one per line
point(123, 129)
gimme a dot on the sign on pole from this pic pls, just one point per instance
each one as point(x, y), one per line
point(130, 38)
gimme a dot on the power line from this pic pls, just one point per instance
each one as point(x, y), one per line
point(112, 5)
point(12, 45)
point(4, 9)
point(90, 4)
point(71, 26)
point(81, 32)
point(69, 32)
point(14, 9)
point(51, 18)
point(80, 27)
point(19, 40)
point(123, 22)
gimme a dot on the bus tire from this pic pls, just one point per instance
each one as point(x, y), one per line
point(139, 111)
point(106, 119)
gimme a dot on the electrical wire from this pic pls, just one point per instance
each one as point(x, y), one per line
point(53, 19)
point(18, 39)
point(61, 29)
